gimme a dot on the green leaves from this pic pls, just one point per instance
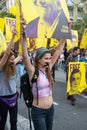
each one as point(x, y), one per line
point(5, 14)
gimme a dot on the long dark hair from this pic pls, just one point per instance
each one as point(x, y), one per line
point(8, 70)
point(48, 72)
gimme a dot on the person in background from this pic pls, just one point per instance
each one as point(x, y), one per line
point(43, 111)
point(20, 66)
point(84, 59)
point(8, 91)
point(73, 57)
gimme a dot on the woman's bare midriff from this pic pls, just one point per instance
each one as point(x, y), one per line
point(45, 102)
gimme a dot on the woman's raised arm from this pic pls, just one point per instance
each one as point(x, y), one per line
point(29, 67)
point(8, 49)
point(57, 52)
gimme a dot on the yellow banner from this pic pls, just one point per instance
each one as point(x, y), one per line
point(74, 41)
point(2, 42)
point(53, 43)
point(77, 77)
point(65, 8)
point(10, 23)
point(46, 19)
point(83, 43)
point(2, 22)
point(35, 43)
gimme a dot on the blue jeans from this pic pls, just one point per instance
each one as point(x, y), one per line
point(42, 118)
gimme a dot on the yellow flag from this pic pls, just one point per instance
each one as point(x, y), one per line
point(54, 42)
point(83, 43)
point(9, 24)
point(35, 43)
point(13, 10)
point(41, 42)
point(77, 77)
point(65, 8)
point(18, 9)
point(2, 42)
point(74, 41)
point(46, 19)
point(2, 22)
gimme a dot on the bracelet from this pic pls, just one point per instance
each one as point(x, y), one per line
point(23, 34)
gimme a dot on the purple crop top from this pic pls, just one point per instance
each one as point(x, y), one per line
point(43, 86)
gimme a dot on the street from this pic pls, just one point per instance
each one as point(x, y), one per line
point(67, 117)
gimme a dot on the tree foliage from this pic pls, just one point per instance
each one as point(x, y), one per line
point(80, 25)
point(83, 0)
point(5, 14)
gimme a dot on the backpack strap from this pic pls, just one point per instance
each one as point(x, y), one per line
point(35, 76)
point(29, 114)
point(37, 92)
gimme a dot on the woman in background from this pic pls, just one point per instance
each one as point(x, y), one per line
point(8, 92)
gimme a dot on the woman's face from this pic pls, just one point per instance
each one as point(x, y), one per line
point(45, 60)
point(11, 60)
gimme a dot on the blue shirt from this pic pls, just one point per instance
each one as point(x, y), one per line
point(7, 86)
point(83, 59)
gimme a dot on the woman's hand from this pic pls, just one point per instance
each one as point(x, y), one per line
point(13, 30)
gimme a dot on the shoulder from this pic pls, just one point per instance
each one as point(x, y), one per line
point(82, 59)
point(35, 76)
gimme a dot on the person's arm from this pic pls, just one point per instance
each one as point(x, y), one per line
point(8, 49)
point(57, 52)
point(29, 67)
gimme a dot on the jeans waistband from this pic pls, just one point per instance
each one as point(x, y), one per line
point(42, 108)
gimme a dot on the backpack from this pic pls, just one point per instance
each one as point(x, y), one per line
point(26, 90)
point(26, 87)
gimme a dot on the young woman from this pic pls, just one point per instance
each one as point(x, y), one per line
point(43, 111)
point(8, 92)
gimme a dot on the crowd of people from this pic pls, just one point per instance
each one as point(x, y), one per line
point(43, 112)
point(45, 61)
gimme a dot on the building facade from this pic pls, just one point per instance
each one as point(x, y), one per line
point(3, 5)
point(75, 8)
point(85, 7)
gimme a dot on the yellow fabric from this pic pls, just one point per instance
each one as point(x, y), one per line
point(2, 42)
point(13, 10)
point(53, 43)
point(83, 43)
point(18, 11)
point(74, 41)
point(2, 22)
point(30, 12)
point(78, 82)
point(64, 7)
point(10, 23)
